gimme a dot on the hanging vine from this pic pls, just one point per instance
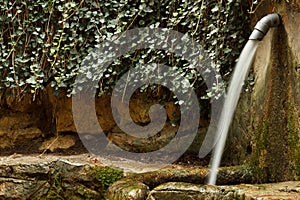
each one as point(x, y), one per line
point(43, 42)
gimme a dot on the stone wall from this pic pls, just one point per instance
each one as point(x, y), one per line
point(269, 129)
point(30, 123)
point(54, 177)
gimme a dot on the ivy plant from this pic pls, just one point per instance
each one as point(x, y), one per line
point(43, 42)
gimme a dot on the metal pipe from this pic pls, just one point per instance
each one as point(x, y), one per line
point(263, 26)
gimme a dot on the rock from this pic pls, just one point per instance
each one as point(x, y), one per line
point(10, 138)
point(22, 189)
point(50, 177)
point(63, 113)
point(128, 190)
point(64, 117)
point(140, 105)
point(17, 128)
point(173, 111)
point(103, 111)
point(184, 175)
point(179, 191)
point(59, 142)
point(24, 103)
point(131, 143)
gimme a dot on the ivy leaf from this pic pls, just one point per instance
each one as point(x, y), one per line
point(63, 34)
point(215, 9)
point(10, 79)
point(52, 50)
point(89, 75)
point(31, 80)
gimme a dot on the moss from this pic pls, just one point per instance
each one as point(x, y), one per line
point(259, 163)
point(294, 146)
point(56, 187)
point(263, 165)
point(258, 159)
point(106, 176)
point(101, 179)
point(85, 193)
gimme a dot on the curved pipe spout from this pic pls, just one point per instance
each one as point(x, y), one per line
point(263, 26)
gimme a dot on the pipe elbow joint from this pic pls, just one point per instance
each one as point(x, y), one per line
point(263, 26)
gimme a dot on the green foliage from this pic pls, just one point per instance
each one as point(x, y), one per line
point(106, 176)
point(102, 178)
point(43, 42)
point(56, 190)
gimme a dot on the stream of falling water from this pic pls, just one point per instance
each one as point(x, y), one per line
point(240, 73)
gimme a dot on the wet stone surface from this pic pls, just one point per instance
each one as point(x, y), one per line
point(50, 177)
point(179, 191)
point(43, 177)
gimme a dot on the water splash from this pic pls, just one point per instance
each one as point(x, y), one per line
point(240, 73)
